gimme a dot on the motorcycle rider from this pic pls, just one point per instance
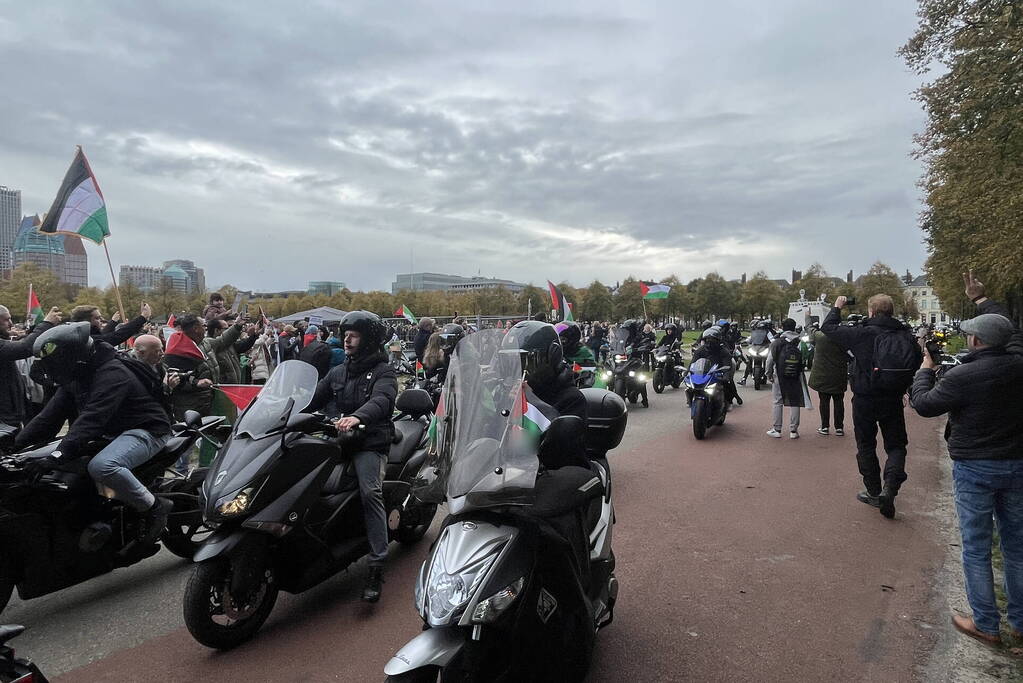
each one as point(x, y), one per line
point(760, 335)
point(571, 343)
point(549, 379)
point(109, 332)
point(108, 398)
point(671, 336)
point(362, 391)
point(712, 348)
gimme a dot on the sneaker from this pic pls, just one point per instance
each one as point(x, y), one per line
point(868, 498)
point(839, 431)
point(886, 502)
point(738, 400)
point(774, 433)
point(823, 431)
point(154, 521)
point(742, 381)
point(793, 435)
point(374, 584)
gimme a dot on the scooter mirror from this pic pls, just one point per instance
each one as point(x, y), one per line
point(193, 420)
point(303, 422)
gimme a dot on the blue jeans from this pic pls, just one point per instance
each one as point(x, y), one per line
point(112, 466)
point(986, 488)
point(369, 469)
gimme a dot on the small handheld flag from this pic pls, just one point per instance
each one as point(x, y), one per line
point(559, 303)
point(34, 314)
point(407, 314)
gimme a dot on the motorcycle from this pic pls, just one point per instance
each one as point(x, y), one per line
point(65, 528)
point(521, 577)
point(13, 669)
point(627, 368)
point(668, 367)
point(705, 395)
point(284, 500)
point(807, 338)
point(758, 357)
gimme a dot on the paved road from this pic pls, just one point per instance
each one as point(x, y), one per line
point(740, 557)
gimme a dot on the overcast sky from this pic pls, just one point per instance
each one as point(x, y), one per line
point(277, 143)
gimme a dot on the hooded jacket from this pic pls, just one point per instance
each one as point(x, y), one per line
point(108, 398)
point(12, 383)
point(364, 387)
point(793, 389)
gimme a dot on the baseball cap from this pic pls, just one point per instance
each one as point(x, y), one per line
point(990, 328)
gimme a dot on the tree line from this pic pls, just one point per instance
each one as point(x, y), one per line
point(711, 296)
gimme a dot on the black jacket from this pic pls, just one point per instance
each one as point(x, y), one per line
point(109, 400)
point(366, 388)
point(1015, 345)
point(562, 394)
point(317, 354)
point(420, 342)
point(718, 355)
point(984, 400)
point(859, 340)
point(12, 384)
point(115, 336)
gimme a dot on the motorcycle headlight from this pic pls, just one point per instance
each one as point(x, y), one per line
point(447, 594)
point(642, 378)
point(607, 375)
point(763, 352)
point(488, 610)
point(632, 373)
point(712, 388)
point(660, 359)
point(238, 504)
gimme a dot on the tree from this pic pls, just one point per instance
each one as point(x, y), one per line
point(50, 290)
point(597, 303)
point(533, 299)
point(972, 146)
point(628, 300)
point(881, 279)
point(714, 297)
point(761, 297)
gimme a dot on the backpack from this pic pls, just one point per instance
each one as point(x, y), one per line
point(895, 361)
point(791, 358)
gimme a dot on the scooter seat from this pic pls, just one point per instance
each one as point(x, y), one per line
point(558, 492)
point(341, 480)
point(402, 447)
point(177, 445)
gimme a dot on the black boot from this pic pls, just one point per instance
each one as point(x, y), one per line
point(154, 521)
point(868, 498)
point(886, 501)
point(374, 584)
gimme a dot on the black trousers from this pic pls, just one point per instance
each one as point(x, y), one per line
point(824, 400)
point(886, 413)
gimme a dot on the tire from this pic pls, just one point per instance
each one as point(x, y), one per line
point(7, 582)
point(183, 537)
point(412, 534)
point(757, 381)
point(658, 381)
point(633, 397)
point(203, 600)
point(700, 420)
point(426, 674)
point(620, 386)
point(676, 382)
point(724, 414)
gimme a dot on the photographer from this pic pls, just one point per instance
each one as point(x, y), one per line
point(884, 356)
point(984, 399)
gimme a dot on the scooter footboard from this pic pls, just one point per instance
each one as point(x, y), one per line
point(432, 647)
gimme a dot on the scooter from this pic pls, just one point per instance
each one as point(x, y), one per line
point(668, 367)
point(65, 528)
point(284, 499)
point(705, 395)
point(521, 577)
point(13, 669)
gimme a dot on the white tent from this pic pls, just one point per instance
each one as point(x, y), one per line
point(328, 314)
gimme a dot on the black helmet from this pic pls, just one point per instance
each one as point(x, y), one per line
point(368, 325)
point(450, 335)
point(671, 328)
point(632, 326)
point(712, 335)
point(570, 334)
point(540, 347)
point(63, 350)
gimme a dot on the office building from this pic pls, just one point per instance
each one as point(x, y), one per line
point(145, 278)
point(76, 261)
point(10, 221)
point(182, 275)
point(325, 287)
point(439, 282)
point(62, 255)
point(196, 276)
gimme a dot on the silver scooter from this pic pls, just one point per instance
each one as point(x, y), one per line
point(521, 577)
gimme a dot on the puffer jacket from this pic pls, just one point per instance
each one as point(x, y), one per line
point(830, 371)
point(984, 400)
point(221, 356)
point(364, 387)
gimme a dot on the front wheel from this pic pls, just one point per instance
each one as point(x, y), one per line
point(217, 619)
point(620, 386)
point(700, 419)
point(426, 674)
point(658, 380)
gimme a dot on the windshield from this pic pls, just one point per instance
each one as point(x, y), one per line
point(619, 340)
point(487, 452)
point(289, 390)
point(758, 337)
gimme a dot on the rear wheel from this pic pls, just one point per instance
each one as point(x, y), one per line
point(214, 617)
point(658, 380)
point(426, 674)
point(414, 531)
point(700, 419)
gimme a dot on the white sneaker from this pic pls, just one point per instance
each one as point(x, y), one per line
point(774, 433)
point(793, 435)
point(823, 431)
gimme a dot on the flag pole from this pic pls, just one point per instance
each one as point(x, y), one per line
point(117, 292)
point(643, 300)
point(28, 304)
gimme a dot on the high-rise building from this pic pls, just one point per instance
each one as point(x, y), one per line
point(62, 255)
point(10, 221)
point(145, 278)
point(196, 276)
point(325, 287)
point(76, 261)
point(426, 282)
point(177, 278)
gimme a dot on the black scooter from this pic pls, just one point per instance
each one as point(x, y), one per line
point(65, 529)
point(12, 669)
point(629, 373)
point(284, 499)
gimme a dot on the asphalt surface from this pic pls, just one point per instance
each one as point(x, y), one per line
point(739, 557)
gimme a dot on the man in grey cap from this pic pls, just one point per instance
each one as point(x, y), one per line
point(983, 398)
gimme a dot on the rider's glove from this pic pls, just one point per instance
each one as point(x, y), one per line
point(37, 467)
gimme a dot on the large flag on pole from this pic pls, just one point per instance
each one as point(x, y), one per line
point(407, 314)
point(652, 290)
point(34, 314)
point(559, 303)
point(79, 208)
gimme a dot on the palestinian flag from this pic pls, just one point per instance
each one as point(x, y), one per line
point(536, 415)
point(79, 208)
point(34, 314)
point(652, 290)
point(407, 314)
point(559, 303)
point(241, 395)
